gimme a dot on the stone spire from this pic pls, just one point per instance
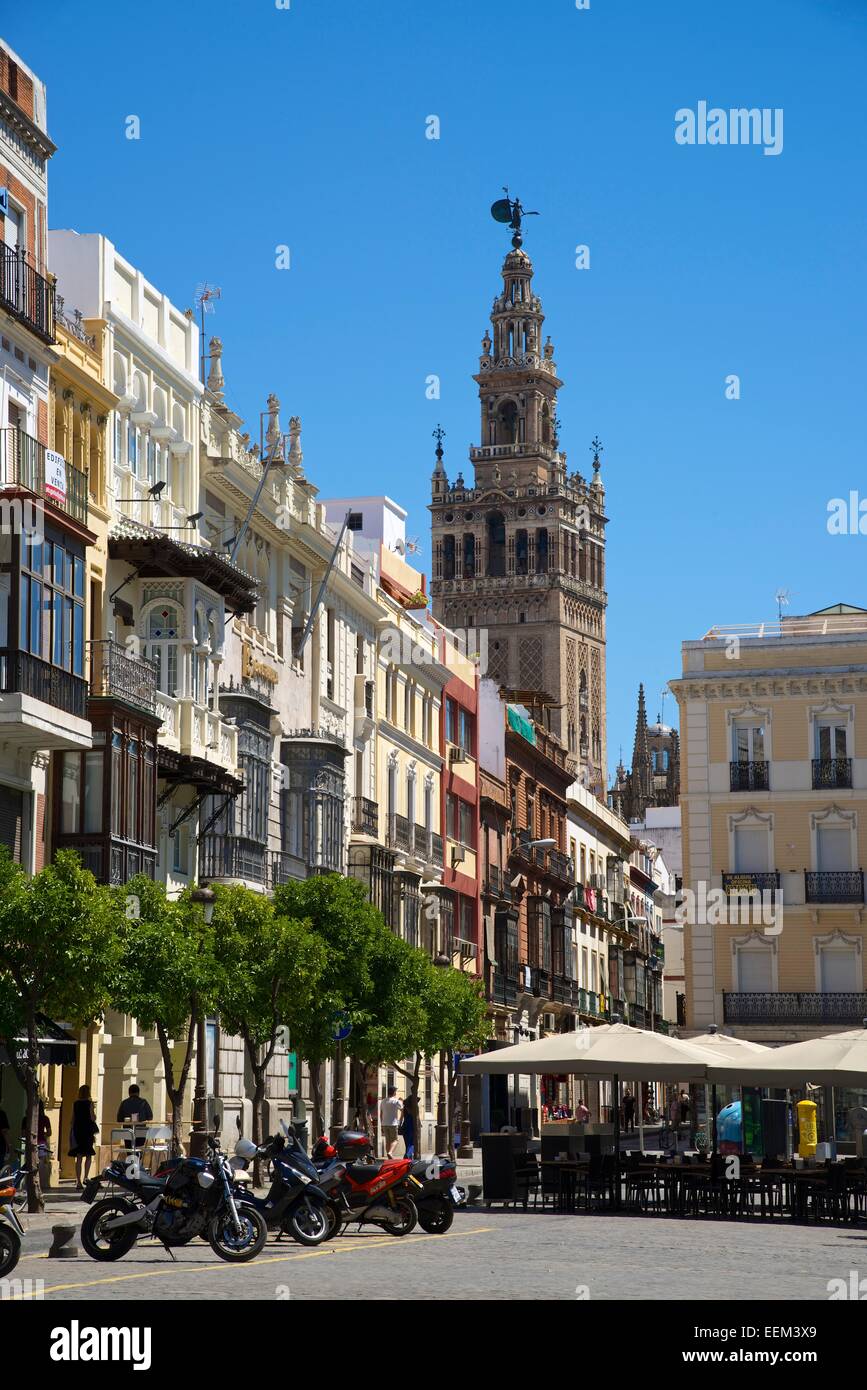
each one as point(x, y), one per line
point(439, 483)
point(641, 778)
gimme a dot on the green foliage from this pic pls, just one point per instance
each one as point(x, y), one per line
point(60, 943)
point(349, 927)
point(168, 970)
point(270, 966)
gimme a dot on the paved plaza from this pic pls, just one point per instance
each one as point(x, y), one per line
point(494, 1254)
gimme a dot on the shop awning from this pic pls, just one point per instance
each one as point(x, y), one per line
point(839, 1059)
point(56, 1045)
point(610, 1049)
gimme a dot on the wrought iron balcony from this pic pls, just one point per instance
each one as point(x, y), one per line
point(400, 833)
point(832, 773)
point(233, 857)
point(22, 464)
point(561, 989)
point(118, 674)
point(504, 989)
point(792, 1007)
point(540, 982)
point(750, 882)
point(24, 674)
point(497, 883)
point(748, 776)
point(834, 886)
point(365, 816)
point(435, 853)
point(26, 294)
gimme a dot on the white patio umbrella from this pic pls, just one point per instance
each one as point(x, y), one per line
point(609, 1050)
point(724, 1045)
point(839, 1059)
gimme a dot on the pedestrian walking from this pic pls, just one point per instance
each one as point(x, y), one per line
point(82, 1134)
point(389, 1119)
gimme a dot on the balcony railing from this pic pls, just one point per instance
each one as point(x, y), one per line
point(561, 990)
point(435, 852)
point(233, 856)
point(834, 886)
point(790, 1007)
point(748, 776)
point(497, 883)
point(832, 773)
point(540, 982)
point(365, 816)
point(117, 674)
point(24, 674)
point(285, 867)
point(26, 294)
point(750, 882)
point(22, 464)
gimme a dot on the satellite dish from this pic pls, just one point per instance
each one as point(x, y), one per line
point(501, 210)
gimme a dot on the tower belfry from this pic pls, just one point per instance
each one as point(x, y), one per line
point(520, 551)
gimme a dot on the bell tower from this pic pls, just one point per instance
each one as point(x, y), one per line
point(519, 552)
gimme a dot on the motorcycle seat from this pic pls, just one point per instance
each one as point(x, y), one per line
point(363, 1172)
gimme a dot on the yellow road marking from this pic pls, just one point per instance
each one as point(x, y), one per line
point(346, 1247)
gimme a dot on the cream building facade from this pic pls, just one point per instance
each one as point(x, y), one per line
point(773, 722)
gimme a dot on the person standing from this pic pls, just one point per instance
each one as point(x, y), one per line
point(5, 1139)
point(629, 1112)
point(406, 1129)
point(82, 1134)
point(389, 1119)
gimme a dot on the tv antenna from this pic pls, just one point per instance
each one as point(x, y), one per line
point(782, 601)
point(205, 296)
point(412, 545)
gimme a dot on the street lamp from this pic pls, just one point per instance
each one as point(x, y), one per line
point(205, 897)
point(441, 1139)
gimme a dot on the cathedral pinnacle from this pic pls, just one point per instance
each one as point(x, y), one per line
point(510, 211)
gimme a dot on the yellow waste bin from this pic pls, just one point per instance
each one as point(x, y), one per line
point(808, 1134)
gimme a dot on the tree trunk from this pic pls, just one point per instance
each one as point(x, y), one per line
point(316, 1095)
point(177, 1092)
point(451, 1107)
point(35, 1202)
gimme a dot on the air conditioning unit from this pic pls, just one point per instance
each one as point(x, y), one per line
point(4, 200)
point(456, 755)
point(459, 854)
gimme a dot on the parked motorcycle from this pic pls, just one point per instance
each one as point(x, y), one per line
point(374, 1192)
point(11, 1229)
point(196, 1197)
point(297, 1202)
point(436, 1194)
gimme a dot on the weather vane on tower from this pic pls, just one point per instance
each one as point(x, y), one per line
point(510, 211)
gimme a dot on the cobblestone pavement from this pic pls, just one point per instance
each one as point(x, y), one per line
point(493, 1254)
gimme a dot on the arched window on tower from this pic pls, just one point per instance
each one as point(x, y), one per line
point(469, 556)
point(448, 557)
point(496, 523)
point(507, 431)
point(520, 552)
point(542, 551)
point(582, 691)
point(546, 424)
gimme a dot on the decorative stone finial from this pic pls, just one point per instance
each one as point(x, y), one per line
point(215, 375)
point(296, 456)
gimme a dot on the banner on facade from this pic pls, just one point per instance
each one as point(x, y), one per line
point(55, 476)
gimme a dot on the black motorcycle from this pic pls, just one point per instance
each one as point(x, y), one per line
point(196, 1197)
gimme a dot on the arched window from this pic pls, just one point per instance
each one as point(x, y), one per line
point(119, 375)
point(546, 424)
point(160, 406)
point(161, 646)
point(448, 557)
point(520, 552)
point(469, 556)
point(496, 524)
point(542, 551)
point(140, 391)
point(508, 423)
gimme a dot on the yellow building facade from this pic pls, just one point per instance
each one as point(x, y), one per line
point(773, 722)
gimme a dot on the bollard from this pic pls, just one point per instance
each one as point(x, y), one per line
point(61, 1246)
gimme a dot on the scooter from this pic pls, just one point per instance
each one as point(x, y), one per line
point(373, 1192)
point(11, 1229)
point(297, 1203)
point(436, 1193)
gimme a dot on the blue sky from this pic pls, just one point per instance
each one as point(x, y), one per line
point(306, 127)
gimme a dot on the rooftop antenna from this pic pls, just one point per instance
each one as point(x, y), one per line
point(205, 296)
point(782, 601)
point(412, 545)
point(510, 211)
point(662, 694)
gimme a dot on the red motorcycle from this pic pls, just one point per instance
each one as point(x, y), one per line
point(374, 1193)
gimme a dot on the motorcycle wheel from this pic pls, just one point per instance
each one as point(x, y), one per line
point(236, 1249)
point(436, 1220)
point(10, 1250)
point(335, 1222)
point(107, 1245)
point(308, 1223)
point(408, 1217)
